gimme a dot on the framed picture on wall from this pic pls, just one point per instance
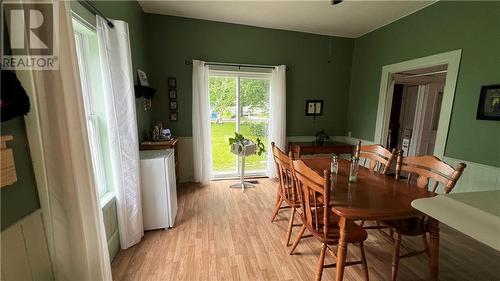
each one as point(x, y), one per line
point(173, 105)
point(314, 107)
point(172, 82)
point(489, 103)
point(172, 93)
point(173, 116)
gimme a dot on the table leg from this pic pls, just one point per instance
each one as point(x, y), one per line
point(345, 228)
point(434, 248)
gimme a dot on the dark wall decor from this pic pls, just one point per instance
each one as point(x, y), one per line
point(172, 95)
point(314, 108)
point(489, 103)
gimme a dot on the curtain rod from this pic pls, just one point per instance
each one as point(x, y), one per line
point(96, 11)
point(239, 65)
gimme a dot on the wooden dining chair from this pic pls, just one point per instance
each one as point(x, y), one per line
point(318, 218)
point(287, 193)
point(427, 172)
point(379, 160)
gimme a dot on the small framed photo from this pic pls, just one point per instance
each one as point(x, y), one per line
point(489, 103)
point(172, 93)
point(172, 82)
point(173, 105)
point(173, 116)
point(314, 107)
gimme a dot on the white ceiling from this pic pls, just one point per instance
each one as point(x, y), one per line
point(350, 18)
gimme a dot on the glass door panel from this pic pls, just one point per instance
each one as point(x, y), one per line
point(223, 120)
point(254, 118)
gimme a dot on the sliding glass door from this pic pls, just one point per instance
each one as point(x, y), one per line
point(239, 102)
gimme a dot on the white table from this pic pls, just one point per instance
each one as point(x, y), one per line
point(476, 214)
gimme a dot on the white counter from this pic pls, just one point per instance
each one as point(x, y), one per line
point(476, 214)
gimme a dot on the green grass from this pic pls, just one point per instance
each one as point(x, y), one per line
point(222, 158)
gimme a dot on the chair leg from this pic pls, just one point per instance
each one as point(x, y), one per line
point(277, 206)
point(297, 239)
point(290, 226)
point(321, 263)
point(395, 257)
point(362, 223)
point(426, 244)
point(363, 261)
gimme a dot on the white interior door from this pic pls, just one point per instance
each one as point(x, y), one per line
point(427, 119)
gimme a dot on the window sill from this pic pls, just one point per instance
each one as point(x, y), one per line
point(106, 199)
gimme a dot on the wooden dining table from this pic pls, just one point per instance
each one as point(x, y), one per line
point(373, 197)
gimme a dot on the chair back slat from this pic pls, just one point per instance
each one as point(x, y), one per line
point(429, 168)
point(284, 173)
point(315, 194)
point(380, 158)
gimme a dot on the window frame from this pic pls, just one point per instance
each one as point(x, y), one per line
point(92, 119)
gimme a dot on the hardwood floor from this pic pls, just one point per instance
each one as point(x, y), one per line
point(225, 234)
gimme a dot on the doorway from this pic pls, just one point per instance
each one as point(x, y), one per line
point(239, 102)
point(416, 106)
point(387, 85)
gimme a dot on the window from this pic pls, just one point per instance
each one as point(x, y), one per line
point(88, 64)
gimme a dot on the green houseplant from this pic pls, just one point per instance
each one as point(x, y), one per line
point(242, 141)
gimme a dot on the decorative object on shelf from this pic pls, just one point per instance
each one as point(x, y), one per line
point(172, 83)
point(144, 90)
point(172, 93)
point(8, 174)
point(243, 147)
point(321, 136)
point(143, 78)
point(489, 103)
point(166, 134)
point(173, 116)
point(13, 98)
point(314, 108)
point(173, 105)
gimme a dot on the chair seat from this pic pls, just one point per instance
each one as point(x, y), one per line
point(356, 234)
point(410, 227)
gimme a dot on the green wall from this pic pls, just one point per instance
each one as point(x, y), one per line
point(173, 40)
point(473, 27)
point(132, 13)
point(21, 198)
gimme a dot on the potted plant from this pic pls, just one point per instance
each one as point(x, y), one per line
point(243, 147)
point(321, 136)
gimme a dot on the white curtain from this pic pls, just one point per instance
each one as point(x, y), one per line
point(61, 154)
point(202, 150)
point(277, 116)
point(116, 64)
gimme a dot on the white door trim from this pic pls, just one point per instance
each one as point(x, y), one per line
point(452, 59)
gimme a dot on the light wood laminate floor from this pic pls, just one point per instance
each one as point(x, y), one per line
point(225, 234)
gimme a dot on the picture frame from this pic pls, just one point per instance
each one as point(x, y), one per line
point(172, 82)
point(172, 93)
point(173, 116)
point(314, 107)
point(173, 105)
point(489, 103)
